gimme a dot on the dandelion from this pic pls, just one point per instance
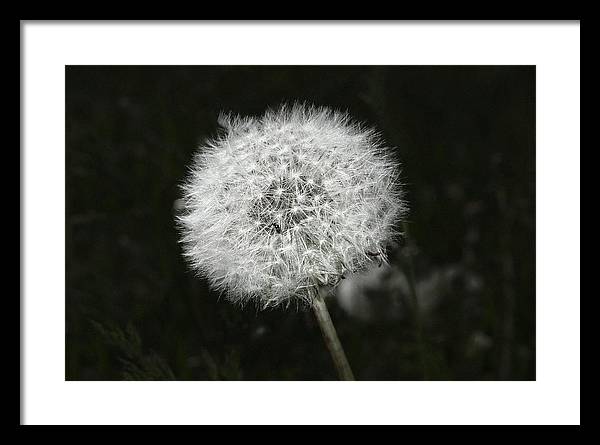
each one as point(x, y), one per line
point(279, 208)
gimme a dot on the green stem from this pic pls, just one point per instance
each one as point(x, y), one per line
point(331, 338)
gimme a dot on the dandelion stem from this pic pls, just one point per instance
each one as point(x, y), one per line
point(331, 338)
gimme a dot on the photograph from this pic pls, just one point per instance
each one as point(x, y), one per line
point(300, 222)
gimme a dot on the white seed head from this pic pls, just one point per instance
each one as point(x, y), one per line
point(281, 204)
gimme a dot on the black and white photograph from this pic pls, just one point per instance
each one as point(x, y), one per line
point(220, 218)
point(341, 220)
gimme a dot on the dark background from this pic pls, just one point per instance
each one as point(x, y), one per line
point(466, 137)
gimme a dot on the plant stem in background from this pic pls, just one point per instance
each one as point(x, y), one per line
point(508, 279)
point(331, 338)
point(415, 302)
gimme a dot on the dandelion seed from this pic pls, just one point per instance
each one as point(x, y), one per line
point(283, 204)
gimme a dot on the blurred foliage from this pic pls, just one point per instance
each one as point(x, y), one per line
point(466, 138)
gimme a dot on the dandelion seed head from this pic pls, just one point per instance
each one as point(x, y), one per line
point(281, 204)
